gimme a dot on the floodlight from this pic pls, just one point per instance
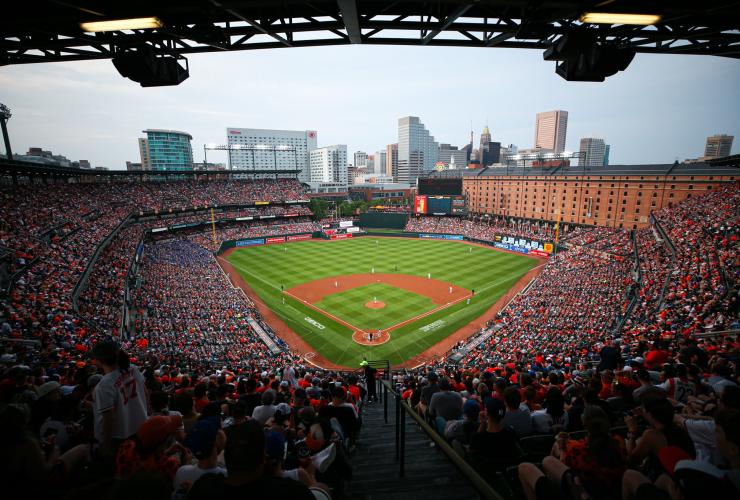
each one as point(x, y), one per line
point(139, 23)
point(620, 18)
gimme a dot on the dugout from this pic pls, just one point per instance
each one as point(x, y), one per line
point(383, 220)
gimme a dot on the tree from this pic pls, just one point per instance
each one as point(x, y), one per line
point(319, 207)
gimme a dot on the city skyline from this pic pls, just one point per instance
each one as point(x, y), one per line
point(649, 114)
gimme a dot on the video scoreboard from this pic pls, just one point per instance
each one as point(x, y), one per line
point(439, 205)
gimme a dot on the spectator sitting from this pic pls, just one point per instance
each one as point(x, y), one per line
point(267, 410)
point(205, 441)
point(553, 418)
point(646, 389)
point(445, 405)
point(663, 432)
point(342, 411)
point(518, 416)
point(463, 430)
point(152, 448)
point(494, 446)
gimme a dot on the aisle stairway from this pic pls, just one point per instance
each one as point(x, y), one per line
point(429, 474)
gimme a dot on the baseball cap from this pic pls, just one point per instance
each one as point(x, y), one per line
point(202, 437)
point(275, 445)
point(155, 430)
point(471, 408)
point(284, 383)
point(283, 408)
point(47, 388)
point(495, 408)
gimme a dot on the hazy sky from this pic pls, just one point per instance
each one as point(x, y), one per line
point(660, 109)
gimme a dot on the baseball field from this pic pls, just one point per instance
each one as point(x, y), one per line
point(380, 298)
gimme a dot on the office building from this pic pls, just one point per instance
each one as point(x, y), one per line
point(360, 159)
point(450, 155)
point(417, 151)
point(606, 154)
point(489, 152)
point(329, 165)
point(167, 150)
point(144, 153)
point(718, 146)
point(267, 149)
point(379, 162)
point(593, 152)
point(133, 167)
point(391, 160)
point(550, 130)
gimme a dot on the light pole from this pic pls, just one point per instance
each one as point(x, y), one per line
point(5, 115)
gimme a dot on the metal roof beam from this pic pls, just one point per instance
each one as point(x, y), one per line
point(447, 23)
point(252, 23)
point(348, 10)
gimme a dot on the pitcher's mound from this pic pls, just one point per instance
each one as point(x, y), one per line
point(364, 338)
point(375, 305)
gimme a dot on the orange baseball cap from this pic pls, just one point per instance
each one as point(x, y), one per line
point(155, 430)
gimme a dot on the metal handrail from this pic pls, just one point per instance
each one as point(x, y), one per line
point(402, 408)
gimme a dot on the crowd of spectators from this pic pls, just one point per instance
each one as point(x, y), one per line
point(482, 228)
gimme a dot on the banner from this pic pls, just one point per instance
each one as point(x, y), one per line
point(525, 243)
point(261, 202)
point(244, 218)
point(345, 223)
point(353, 229)
point(275, 239)
point(428, 236)
point(267, 216)
point(511, 248)
point(329, 232)
point(340, 236)
point(299, 237)
point(290, 215)
point(249, 243)
point(420, 205)
point(539, 253)
point(548, 247)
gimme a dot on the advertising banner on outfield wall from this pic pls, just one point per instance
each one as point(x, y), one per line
point(345, 223)
point(353, 229)
point(299, 237)
point(428, 236)
point(340, 236)
point(525, 243)
point(250, 243)
point(511, 248)
point(275, 239)
point(538, 253)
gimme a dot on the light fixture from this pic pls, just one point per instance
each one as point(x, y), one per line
point(139, 23)
point(619, 18)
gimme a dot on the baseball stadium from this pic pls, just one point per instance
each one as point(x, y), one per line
point(511, 327)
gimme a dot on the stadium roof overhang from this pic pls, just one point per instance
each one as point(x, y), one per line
point(50, 30)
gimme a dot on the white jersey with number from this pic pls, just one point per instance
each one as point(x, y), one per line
point(125, 394)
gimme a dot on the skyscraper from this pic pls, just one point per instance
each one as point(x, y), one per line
point(360, 159)
point(391, 160)
point(417, 151)
point(379, 162)
point(593, 151)
point(447, 153)
point(718, 146)
point(270, 149)
point(166, 150)
point(489, 152)
point(329, 164)
point(550, 130)
point(144, 153)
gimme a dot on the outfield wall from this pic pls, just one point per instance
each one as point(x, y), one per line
point(266, 240)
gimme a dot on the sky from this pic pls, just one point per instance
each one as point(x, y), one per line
point(660, 109)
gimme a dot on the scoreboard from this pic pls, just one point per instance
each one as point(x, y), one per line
point(439, 205)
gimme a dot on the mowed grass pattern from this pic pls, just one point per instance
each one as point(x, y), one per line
point(489, 272)
point(400, 305)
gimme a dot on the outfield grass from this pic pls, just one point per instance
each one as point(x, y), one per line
point(266, 268)
point(400, 305)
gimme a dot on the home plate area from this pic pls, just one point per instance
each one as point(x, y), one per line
point(372, 305)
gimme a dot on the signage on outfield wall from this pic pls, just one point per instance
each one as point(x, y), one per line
point(538, 253)
point(290, 215)
point(299, 237)
point(159, 229)
point(244, 218)
point(353, 229)
point(250, 243)
point(440, 236)
point(329, 232)
point(267, 216)
point(524, 243)
point(276, 239)
point(261, 202)
point(511, 248)
point(345, 223)
point(340, 236)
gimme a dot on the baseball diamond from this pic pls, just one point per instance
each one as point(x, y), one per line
point(373, 296)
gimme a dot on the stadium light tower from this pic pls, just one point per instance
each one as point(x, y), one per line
point(5, 115)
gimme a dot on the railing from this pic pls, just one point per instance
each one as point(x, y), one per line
point(82, 282)
point(402, 408)
point(709, 335)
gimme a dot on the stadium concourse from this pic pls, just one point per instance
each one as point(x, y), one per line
point(622, 331)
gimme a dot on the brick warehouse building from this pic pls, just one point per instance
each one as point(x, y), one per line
point(614, 196)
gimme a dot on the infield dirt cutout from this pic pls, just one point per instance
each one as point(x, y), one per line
point(442, 293)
